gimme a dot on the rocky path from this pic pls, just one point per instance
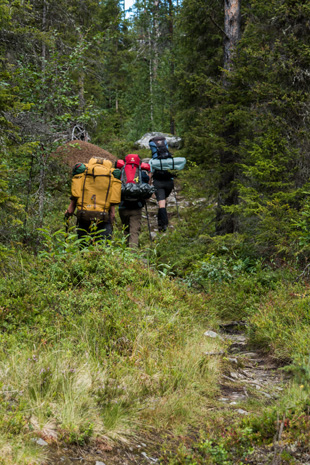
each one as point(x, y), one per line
point(98, 455)
point(175, 204)
point(249, 373)
point(253, 380)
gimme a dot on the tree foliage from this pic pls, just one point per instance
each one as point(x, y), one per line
point(162, 68)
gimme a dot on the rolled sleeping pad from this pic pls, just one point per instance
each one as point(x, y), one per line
point(176, 163)
point(121, 163)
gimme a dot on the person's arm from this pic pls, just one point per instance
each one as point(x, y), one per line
point(112, 213)
point(145, 177)
point(71, 208)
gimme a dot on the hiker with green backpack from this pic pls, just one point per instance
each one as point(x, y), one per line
point(95, 189)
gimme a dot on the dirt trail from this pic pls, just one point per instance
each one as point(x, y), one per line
point(250, 372)
point(176, 203)
point(119, 455)
point(255, 380)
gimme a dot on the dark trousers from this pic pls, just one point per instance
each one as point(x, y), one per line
point(99, 230)
point(163, 188)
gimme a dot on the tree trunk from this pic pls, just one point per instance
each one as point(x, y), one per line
point(171, 109)
point(81, 83)
point(151, 83)
point(232, 30)
point(41, 189)
point(156, 39)
point(28, 195)
point(44, 13)
point(228, 195)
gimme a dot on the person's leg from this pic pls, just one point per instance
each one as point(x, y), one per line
point(162, 219)
point(104, 230)
point(161, 199)
point(162, 212)
point(161, 194)
point(135, 227)
point(83, 228)
point(125, 219)
point(169, 185)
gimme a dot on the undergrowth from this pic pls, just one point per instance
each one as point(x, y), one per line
point(107, 342)
point(97, 343)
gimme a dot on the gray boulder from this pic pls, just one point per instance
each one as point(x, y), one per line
point(173, 141)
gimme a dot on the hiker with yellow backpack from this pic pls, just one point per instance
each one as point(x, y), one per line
point(95, 191)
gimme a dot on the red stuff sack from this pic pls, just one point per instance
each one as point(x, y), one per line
point(132, 164)
point(119, 164)
point(145, 167)
point(132, 186)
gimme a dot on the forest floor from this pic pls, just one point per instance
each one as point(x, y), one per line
point(154, 364)
point(251, 380)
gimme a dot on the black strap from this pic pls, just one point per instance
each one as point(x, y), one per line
point(123, 174)
point(108, 190)
point(97, 175)
point(84, 188)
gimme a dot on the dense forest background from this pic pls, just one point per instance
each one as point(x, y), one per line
point(243, 118)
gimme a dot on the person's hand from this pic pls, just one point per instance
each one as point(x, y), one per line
point(69, 212)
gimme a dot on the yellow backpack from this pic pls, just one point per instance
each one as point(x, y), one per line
point(96, 189)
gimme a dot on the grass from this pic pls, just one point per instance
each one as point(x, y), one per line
point(282, 324)
point(99, 344)
point(103, 343)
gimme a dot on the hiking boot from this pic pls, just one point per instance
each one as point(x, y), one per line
point(162, 219)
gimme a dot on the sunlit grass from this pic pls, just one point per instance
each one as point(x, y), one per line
point(104, 347)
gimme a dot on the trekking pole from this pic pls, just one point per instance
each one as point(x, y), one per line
point(148, 222)
point(176, 203)
point(67, 220)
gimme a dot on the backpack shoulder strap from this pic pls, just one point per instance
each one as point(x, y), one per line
point(123, 175)
point(83, 188)
point(140, 174)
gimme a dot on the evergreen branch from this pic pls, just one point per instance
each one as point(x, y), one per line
point(219, 27)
